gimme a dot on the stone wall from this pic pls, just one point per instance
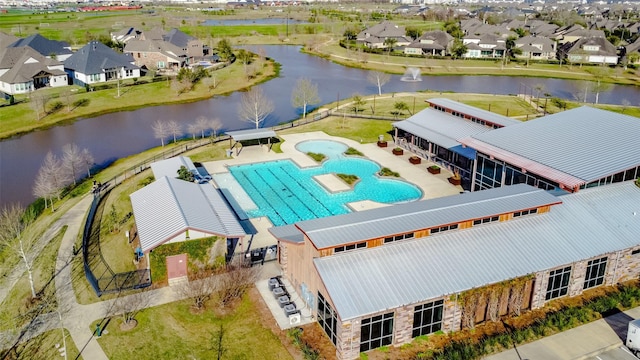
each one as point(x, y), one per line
point(348, 340)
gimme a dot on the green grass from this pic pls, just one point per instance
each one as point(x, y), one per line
point(44, 345)
point(388, 172)
point(16, 304)
point(352, 151)
point(172, 332)
point(316, 156)
point(348, 178)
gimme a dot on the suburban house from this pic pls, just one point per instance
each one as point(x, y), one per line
point(573, 33)
point(7, 39)
point(632, 52)
point(595, 50)
point(533, 27)
point(536, 48)
point(431, 43)
point(58, 50)
point(125, 35)
point(22, 70)
point(194, 48)
point(156, 54)
point(484, 46)
point(189, 211)
point(385, 276)
point(97, 63)
point(434, 133)
point(375, 36)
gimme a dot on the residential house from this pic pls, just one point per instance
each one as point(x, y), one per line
point(194, 48)
point(431, 43)
point(22, 70)
point(536, 48)
point(156, 54)
point(96, 63)
point(126, 34)
point(58, 50)
point(632, 52)
point(7, 39)
point(570, 34)
point(594, 50)
point(375, 36)
point(485, 46)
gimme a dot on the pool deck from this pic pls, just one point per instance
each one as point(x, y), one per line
point(432, 186)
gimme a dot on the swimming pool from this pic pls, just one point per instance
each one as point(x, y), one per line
point(287, 194)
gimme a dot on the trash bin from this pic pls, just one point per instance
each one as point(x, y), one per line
point(229, 152)
point(380, 138)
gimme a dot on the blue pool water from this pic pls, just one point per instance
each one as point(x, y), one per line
point(287, 194)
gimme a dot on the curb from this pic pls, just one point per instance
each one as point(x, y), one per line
point(600, 351)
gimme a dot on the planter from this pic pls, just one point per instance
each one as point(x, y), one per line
point(434, 170)
point(415, 160)
point(398, 151)
point(382, 144)
point(455, 181)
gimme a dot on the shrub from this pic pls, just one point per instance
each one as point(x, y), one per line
point(316, 156)
point(55, 107)
point(348, 178)
point(388, 172)
point(352, 151)
point(81, 102)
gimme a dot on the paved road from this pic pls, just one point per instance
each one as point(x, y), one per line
point(620, 353)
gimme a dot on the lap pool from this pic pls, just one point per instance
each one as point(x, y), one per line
point(287, 194)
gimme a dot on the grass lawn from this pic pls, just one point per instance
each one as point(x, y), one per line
point(46, 346)
point(172, 332)
point(198, 256)
point(14, 310)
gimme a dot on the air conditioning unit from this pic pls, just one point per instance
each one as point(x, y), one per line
point(294, 319)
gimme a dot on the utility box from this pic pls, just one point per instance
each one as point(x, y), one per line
point(633, 336)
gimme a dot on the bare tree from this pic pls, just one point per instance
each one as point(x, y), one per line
point(160, 130)
point(72, 160)
point(14, 224)
point(378, 78)
point(199, 289)
point(42, 188)
point(128, 307)
point(53, 175)
point(210, 82)
point(305, 93)
point(87, 160)
point(215, 125)
point(217, 343)
point(254, 106)
point(38, 102)
point(202, 123)
point(174, 129)
point(193, 130)
point(237, 279)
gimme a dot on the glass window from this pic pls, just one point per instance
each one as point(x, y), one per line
point(327, 318)
point(558, 283)
point(427, 318)
point(376, 331)
point(595, 273)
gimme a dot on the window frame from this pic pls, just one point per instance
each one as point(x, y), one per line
point(558, 283)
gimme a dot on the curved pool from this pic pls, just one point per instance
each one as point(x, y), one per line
point(287, 194)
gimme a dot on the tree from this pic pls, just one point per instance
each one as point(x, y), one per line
point(378, 78)
point(254, 106)
point(358, 103)
point(412, 32)
point(304, 93)
point(458, 49)
point(87, 160)
point(599, 75)
point(185, 174)
point(199, 289)
point(389, 43)
point(72, 160)
point(401, 106)
point(193, 130)
point(215, 125)
point(174, 128)
point(128, 307)
point(217, 344)
point(160, 130)
point(245, 58)
point(113, 219)
point(14, 235)
point(52, 174)
point(224, 50)
point(38, 102)
point(350, 33)
point(235, 281)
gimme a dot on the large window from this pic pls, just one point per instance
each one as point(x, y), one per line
point(376, 331)
point(558, 283)
point(427, 318)
point(595, 273)
point(327, 318)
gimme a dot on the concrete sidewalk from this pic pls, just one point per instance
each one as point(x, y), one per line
point(578, 343)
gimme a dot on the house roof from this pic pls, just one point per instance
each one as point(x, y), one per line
point(535, 43)
point(169, 167)
point(605, 47)
point(440, 40)
point(590, 223)
point(95, 57)
point(418, 215)
point(165, 48)
point(184, 205)
point(24, 63)
point(635, 46)
point(177, 38)
point(571, 147)
point(43, 45)
point(385, 29)
point(6, 39)
point(474, 111)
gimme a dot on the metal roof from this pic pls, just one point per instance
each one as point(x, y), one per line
point(289, 233)
point(474, 111)
point(168, 206)
point(169, 167)
point(590, 223)
point(251, 134)
point(580, 145)
point(417, 215)
point(440, 128)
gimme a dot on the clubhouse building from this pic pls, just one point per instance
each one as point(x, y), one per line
point(538, 225)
